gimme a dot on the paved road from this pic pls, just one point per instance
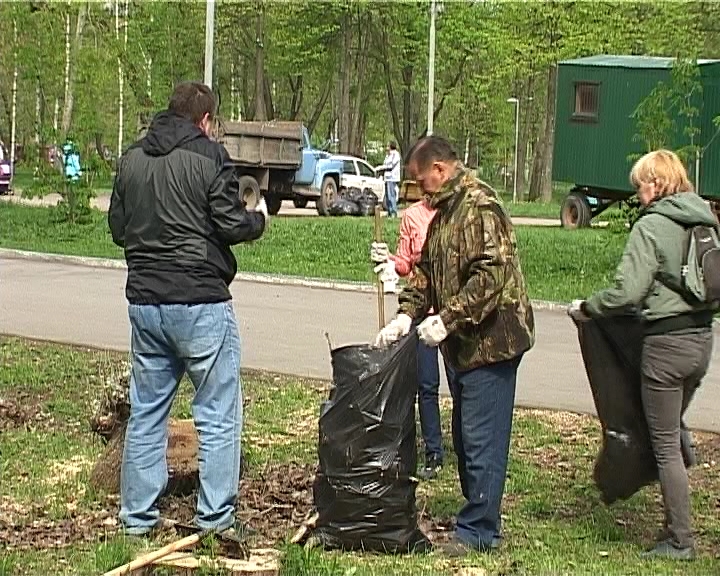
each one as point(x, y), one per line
point(103, 202)
point(283, 329)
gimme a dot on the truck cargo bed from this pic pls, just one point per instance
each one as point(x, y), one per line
point(264, 144)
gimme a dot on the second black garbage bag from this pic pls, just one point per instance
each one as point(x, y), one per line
point(612, 352)
point(364, 491)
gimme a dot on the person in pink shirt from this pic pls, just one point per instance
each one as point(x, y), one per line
point(413, 230)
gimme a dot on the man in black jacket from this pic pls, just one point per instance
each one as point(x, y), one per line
point(176, 211)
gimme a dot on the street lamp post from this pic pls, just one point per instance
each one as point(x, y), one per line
point(431, 70)
point(209, 41)
point(517, 133)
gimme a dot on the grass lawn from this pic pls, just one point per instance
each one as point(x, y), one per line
point(560, 265)
point(24, 177)
point(554, 523)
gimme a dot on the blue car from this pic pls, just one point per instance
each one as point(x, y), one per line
point(5, 170)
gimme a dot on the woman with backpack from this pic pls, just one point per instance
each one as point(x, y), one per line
point(678, 326)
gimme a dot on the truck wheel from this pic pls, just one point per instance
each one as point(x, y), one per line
point(274, 202)
point(328, 196)
point(300, 202)
point(575, 211)
point(249, 190)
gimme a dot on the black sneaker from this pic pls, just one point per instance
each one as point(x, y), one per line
point(667, 550)
point(456, 548)
point(431, 469)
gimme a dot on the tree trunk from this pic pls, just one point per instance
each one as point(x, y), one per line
point(345, 111)
point(297, 96)
point(269, 100)
point(14, 97)
point(260, 109)
point(320, 106)
point(38, 115)
point(361, 70)
point(246, 103)
point(70, 70)
point(525, 126)
point(407, 77)
point(549, 137)
point(538, 151)
point(233, 92)
point(383, 44)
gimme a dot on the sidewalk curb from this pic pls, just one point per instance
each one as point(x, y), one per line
point(277, 279)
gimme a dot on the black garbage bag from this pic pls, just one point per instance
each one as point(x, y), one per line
point(364, 490)
point(344, 207)
point(612, 352)
point(354, 194)
point(367, 202)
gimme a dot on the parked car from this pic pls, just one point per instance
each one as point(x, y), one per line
point(356, 173)
point(5, 170)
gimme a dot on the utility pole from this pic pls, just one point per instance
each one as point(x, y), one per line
point(209, 40)
point(431, 70)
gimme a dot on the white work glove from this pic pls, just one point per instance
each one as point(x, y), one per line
point(262, 207)
point(388, 276)
point(576, 313)
point(432, 331)
point(379, 252)
point(396, 329)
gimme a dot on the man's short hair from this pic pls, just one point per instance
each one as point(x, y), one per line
point(431, 149)
point(392, 145)
point(192, 100)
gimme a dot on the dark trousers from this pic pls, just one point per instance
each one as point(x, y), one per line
point(672, 367)
point(428, 406)
point(482, 415)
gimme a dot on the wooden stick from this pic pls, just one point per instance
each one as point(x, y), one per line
point(151, 557)
point(380, 292)
point(307, 525)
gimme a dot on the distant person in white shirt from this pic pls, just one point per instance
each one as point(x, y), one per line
point(392, 179)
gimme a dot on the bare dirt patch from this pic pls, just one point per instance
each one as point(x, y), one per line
point(22, 412)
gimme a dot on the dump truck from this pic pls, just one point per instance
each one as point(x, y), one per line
point(275, 159)
point(596, 139)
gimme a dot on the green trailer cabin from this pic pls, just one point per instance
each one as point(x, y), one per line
point(595, 133)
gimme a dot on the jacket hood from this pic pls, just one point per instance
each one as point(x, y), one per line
point(168, 131)
point(685, 208)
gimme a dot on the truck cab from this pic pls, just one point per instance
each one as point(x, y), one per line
point(318, 176)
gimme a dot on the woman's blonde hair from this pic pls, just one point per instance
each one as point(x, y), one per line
point(664, 168)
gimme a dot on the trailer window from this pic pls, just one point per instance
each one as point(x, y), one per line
point(586, 101)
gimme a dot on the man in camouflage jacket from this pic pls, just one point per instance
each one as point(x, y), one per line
point(470, 275)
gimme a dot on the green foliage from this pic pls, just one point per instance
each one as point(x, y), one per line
point(299, 561)
point(74, 206)
point(621, 220)
point(669, 104)
point(112, 553)
point(8, 563)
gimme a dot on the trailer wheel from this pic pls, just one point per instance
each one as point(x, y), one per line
point(328, 196)
point(249, 190)
point(575, 211)
point(300, 202)
point(274, 203)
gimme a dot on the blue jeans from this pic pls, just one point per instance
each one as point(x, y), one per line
point(482, 415)
point(391, 194)
point(169, 340)
point(428, 387)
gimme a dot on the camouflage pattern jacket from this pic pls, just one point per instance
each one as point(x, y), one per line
point(470, 271)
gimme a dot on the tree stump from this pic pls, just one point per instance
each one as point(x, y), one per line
point(110, 421)
point(182, 452)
